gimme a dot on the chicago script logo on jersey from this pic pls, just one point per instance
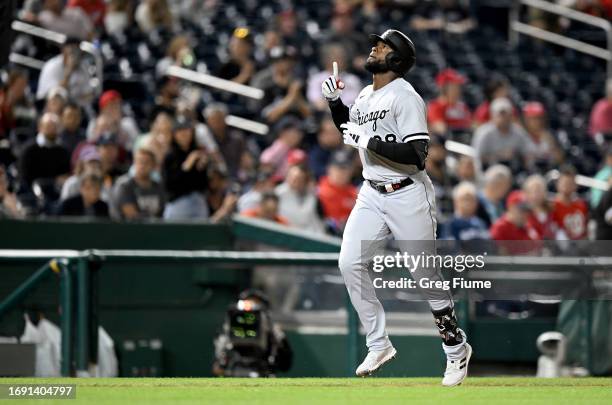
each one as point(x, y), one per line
point(371, 117)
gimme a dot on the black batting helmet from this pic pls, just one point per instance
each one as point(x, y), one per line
point(403, 56)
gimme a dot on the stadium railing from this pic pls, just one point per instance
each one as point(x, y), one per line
point(78, 272)
point(517, 27)
point(581, 180)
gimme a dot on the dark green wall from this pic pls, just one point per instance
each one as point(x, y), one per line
point(183, 305)
point(81, 235)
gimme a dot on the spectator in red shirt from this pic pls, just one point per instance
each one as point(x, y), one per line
point(95, 9)
point(540, 217)
point(267, 209)
point(570, 212)
point(514, 227)
point(601, 114)
point(448, 112)
point(336, 193)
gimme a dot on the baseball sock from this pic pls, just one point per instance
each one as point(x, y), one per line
point(446, 321)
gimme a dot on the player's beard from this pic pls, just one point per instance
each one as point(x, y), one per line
point(374, 66)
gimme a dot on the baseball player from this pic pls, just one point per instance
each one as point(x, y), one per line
point(387, 124)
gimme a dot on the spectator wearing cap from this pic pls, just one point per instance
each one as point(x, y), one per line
point(497, 87)
point(336, 193)
point(604, 174)
point(497, 183)
point(448, 112)
point(70, 21)
point(71, 134)
point(297, 201)
point(229, 142)
point(514, 227)
point(184, 174)
point(240, 66)
point(110, 111)
point(88, 202)
point(329, 140)
point(464, 224)
point(108, 147)
point(267, 209)
point(546, 152)
point(89, 161)
point(9, 206)
point(137, 195)
point(283, 91)
point(503, 141)
point(44, 158)
point(203, 135)
point(352, 85)
point(570, 212)
point(95, 9)
point(69, 71)
point(600, 121)
point(540, 216)
point(289, 137)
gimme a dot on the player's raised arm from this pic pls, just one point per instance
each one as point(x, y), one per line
point(332, 89)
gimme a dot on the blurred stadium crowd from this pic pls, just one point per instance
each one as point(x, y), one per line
point(142, 144)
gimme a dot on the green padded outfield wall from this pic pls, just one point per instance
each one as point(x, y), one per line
point(184, 305)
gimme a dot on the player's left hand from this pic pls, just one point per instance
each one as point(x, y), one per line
point(354, 135)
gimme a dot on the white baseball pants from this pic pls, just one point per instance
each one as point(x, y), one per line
point(408, 214)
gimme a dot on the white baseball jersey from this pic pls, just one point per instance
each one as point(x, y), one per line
point(393, 113)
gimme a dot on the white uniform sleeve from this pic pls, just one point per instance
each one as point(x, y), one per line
point(411, 118)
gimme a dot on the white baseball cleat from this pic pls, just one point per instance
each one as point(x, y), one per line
point(457, 370)
point(374, 361)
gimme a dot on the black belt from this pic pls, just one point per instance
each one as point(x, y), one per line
point(390, 187)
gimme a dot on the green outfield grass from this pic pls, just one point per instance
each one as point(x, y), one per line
point(366, 391)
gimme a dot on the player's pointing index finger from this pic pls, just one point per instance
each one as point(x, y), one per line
point(335, 68)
